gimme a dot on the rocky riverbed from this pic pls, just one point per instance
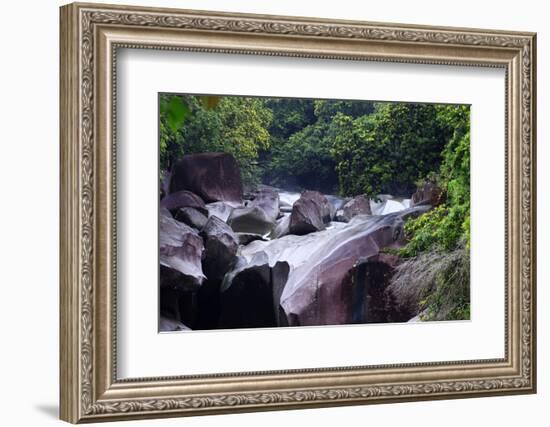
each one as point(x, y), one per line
point(266, 257)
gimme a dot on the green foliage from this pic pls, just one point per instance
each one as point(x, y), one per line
point(290, 115)
point(388, 150)
point(325, 110)
point(447, 226)
point(446, 229)
point(235, 125)
point(302, 137)
point(175, 110)
point(304, 160)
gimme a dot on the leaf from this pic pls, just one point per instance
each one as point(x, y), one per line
point(176, 110)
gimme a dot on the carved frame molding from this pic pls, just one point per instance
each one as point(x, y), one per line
point(90, 36)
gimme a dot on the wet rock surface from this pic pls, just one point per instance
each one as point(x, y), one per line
point(180, 252)
point(212, 176)
point(220, 248)
point(320, 263)
point(369, 280)
point(192, 217)
point(183, 199)
point(250, 220)
point(259, 213)
point(250, 294)
point(309, 213)
point(221, 209)
point(271, 257)
point(359, 205)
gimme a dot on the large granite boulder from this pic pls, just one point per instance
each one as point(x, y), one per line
point(317, 291)
point(250, 220)
point(250, 294)
point(368, 280)
point(180, 252)
point(183, 199)
point(179, 305)
point(213, 176)
point(192, 217)
point(220, 245)
point(259, 215)
point(359, 205)
point(267, 198)
point(310, 213)
point(221, 209)
point(318, 295)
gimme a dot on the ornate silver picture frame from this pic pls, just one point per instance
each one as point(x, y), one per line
point(91, 35)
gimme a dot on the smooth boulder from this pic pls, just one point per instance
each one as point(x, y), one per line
point(179, 305)
point(259, 215)
point(192, 217)
point(310, 213)
point(250, 294)
point(266, 198)
point(220, 248)
point(212, 176)
point(180, 253)
point(359, 205)
point(183, 199)
point(221, 209)
point(368, 281)
point(250, 220)
point(165, 212)
point(320, 264)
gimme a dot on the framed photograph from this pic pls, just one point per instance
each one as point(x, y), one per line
point(267, 212)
